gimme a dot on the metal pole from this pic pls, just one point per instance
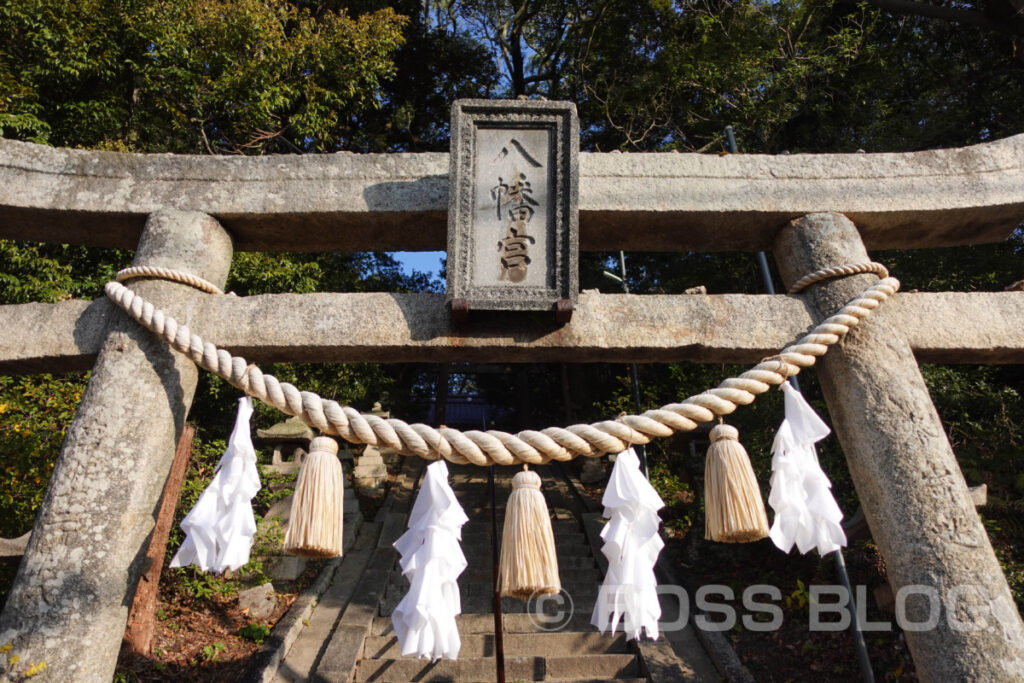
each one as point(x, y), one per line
point(499, 640)
point(867, 675)
point(858, 636)
point(766, 275)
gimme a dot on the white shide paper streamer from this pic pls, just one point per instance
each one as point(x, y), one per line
point(631, 544)
point(220, 527)
point(432, 560)
point(806, 513)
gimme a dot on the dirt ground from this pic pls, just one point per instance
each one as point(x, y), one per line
point(200, 640)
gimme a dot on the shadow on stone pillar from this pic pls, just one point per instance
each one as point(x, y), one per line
point(915, 498)
point(70, 599)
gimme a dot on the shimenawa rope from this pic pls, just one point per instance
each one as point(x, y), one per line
point(497, 447)
point(838, 271)
point(189, 279)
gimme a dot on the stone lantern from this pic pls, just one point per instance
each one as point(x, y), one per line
point(370, 471)
point(289, 439)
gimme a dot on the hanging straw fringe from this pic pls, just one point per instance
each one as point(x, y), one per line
point(529, 563)
point(734, 511)
point(315, 528)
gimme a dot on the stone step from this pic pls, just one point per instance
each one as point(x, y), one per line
point(479, 541)
point(556, 644)
point(515, 644)
point(482, 602)
point(595, 680)
point(575, 559)
point(572, 569)
point(511, 623)
point(470, 592)
point(570, 668)
point(559, 526)
point(481, 552)
point(574, 572)
point(482, 516)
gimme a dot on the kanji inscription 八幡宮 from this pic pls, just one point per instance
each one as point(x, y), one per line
point(512, 222)
point(516, 197)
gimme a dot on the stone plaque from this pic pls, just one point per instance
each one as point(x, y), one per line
point(512, 209)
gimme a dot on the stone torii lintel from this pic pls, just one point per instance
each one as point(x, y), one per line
point(399, 202)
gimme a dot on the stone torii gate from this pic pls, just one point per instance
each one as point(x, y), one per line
point(70, 601)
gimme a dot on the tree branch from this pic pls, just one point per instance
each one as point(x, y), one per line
point(546, 76)
point(923, 9)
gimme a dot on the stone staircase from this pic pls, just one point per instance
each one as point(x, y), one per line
point(349, 636)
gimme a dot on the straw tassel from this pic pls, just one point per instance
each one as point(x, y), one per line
point(529, 563)
point(315, 528)
point(734, 510)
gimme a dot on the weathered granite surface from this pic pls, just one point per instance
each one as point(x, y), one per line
point(70, 599)
point(637, 202)
point(56, 337)
point(946, 327)
point(914, 496)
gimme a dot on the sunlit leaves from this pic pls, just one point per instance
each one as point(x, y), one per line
point(237, 76)
point(34, 416)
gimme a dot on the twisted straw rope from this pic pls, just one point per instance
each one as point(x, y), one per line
point(168, 274)
point(839, 271)
point(496, 447)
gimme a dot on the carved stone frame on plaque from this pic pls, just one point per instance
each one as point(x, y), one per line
point(513, 226)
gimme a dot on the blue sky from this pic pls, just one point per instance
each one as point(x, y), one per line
point(423, 261)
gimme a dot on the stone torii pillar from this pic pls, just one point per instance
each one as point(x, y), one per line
point(914, 496)
point(70, 600)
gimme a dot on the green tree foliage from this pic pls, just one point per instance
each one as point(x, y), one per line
point(34, 416)
point(670, 82)
point(798, 76)
point(198, 76)
point(47, 273)
point(433, 67)
point(801, 75)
